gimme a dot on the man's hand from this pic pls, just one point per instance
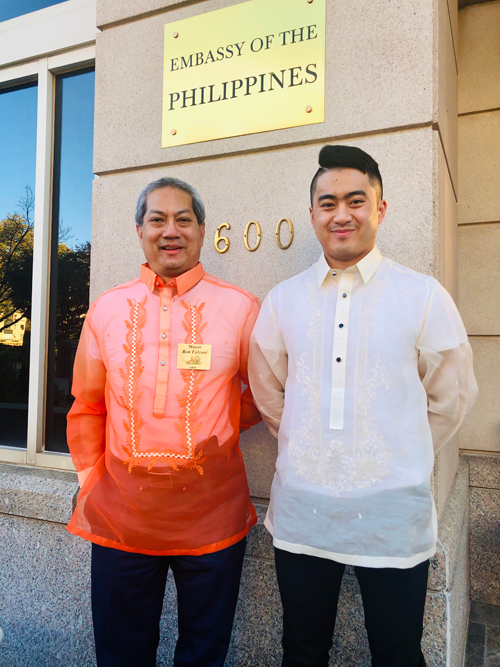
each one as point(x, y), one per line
point(82, 476)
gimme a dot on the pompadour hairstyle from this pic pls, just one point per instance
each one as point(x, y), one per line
point(347, 157)
point(167, 182)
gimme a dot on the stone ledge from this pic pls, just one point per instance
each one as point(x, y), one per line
point(484, 470)
point(485, 545)
point(44, 626)
point(37, 493)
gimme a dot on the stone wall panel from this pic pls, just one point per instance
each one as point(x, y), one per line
point(482, 428)
point(379, 56)
point(478, 167)
point(479, 58)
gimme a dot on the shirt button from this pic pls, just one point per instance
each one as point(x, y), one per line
point(341, 326)
point(339, 359)
point(164, 335)
point(165, 308)
point(157, 283)
point(334, 273)
point(344, 295)
point(162, 363)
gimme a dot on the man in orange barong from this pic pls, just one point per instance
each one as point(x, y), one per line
point(155, 441)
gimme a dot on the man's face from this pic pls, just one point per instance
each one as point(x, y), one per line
point(170, 235)
point(345, 215)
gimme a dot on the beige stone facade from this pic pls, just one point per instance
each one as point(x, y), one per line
point(479, 212)
point(391, 89)
point(479, 277)
point(415, 83)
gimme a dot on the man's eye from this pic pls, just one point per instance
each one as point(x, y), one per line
point(357, 201)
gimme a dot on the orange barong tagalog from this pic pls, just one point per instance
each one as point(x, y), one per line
point(157, 414)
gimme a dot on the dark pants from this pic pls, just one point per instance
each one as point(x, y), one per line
point(393, 601)
point(127, 600)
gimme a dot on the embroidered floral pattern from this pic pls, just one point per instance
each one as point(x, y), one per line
point(332, 464)
point(305, 446)
point(133, 369)
point(188, 424)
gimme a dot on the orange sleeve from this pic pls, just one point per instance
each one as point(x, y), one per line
point(249, 415)
point(87, 418)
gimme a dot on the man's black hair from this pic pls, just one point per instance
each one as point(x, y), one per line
point(347, 157)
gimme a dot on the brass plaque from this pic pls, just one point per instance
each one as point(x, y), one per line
point(252, 67)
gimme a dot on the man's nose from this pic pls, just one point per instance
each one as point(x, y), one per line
point(342, 215)
point(170, 229)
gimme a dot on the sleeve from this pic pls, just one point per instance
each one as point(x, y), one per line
point(445, 367)
point(87, 417)
point(268, 367)
point(249, 415)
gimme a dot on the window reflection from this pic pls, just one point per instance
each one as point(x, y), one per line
point(18, 107)
point(70, 250)
point(11, 9)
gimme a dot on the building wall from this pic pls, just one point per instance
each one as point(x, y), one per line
point(391, 89)
point(479, 213)
point(479, 277)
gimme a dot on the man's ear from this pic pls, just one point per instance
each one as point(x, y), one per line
point(138, 229)
point(382, 210)
point(311, 215)
point(202, 232)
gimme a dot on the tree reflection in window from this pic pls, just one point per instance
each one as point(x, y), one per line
point(18, 110)
point(70, 249)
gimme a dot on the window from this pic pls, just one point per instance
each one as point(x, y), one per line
point(18, 105)
point(70, 243)
point(46, 129)
point(10, 9)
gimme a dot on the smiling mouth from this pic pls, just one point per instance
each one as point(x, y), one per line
point(342, 232)
point(171, 248)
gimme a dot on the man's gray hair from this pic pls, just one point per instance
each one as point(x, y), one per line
point(167, 182)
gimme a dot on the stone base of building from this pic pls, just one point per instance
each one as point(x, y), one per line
point(485, 527)
point(45, 586)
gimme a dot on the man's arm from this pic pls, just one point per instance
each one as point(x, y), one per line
point(249, 415)
point(268, 368)
point(87, 417)
point(445, 367)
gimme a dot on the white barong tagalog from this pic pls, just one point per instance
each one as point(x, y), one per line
point(363, 375)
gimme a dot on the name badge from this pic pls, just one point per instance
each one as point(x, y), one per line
point(194, 357)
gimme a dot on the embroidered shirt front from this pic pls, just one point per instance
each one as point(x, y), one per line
point(378, 376)
point(160, 442)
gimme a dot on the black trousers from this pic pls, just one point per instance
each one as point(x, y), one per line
point(393, 601)
point(127, 601)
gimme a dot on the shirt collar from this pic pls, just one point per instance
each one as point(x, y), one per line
point(366, 266)
point(184, 282)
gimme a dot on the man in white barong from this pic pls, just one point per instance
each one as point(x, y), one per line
point(362, 369)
